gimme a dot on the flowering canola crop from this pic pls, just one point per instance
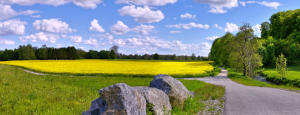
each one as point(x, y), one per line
point(115, 66)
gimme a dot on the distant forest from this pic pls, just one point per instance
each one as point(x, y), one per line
point(28, 52)
point(280, 35)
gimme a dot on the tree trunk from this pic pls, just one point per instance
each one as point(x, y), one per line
point(244, 69)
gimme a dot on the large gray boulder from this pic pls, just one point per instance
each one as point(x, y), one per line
point(97, 107)
point(157, 98)
point(176, 91)
point(118, 99)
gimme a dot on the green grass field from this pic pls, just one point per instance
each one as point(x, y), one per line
point(23, 93)
point(292, 76)
point(292, 73)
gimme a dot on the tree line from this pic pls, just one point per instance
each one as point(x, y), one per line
point(28, 52)
point(240, 51)
point(281, 35)
point(245, 52)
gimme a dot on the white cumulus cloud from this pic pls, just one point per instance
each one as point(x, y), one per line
point(82, 3)
point(40, 36)
point(273, 5)
point(6, 42)
point(95, 26)
point(7, 12)
point(143, 29)
point(230, 27)
point(257, 29)
point(218, 27)
point(189, 26)
point(119, 28)
point(147, 2)
point(219, 6)
point(76, 39)
point(52, 25)
point(12, 27)
point(188, 16)
point(142, 14)
point(91, 41)
point(108, 36)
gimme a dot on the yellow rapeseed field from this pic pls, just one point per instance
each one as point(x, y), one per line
point(115, 66)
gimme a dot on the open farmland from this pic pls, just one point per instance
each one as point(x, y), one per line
point(23, 93)
point(123, 67)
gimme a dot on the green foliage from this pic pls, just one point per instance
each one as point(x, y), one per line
point(156, 56)
point(26, 53)
point(103, 54)
point(240, 52)
point(71, 53)
point(216, 71)
point(285, 23)
point(112, 54)
point(267, 51)
point(221, 49)
point(9, 55)
point(281, 67)
point(92, 54)
point(42, 53)
point(150, 109)
point(284, 28)
point(265, 30)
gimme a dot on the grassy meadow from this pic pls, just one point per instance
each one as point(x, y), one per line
point(23, 93)
point(116, 67)
point(292, 73)
point(292, 76)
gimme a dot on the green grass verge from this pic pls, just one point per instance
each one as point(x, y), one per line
point(203, 92)
point(239, 78)
point(22, 93)
point(292, 77)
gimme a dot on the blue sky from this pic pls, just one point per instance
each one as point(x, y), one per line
point(179, 27)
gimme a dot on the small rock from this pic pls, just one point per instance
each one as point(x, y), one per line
point(176, 91)
point(158, 98)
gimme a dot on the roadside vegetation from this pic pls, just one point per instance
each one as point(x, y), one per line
point(28, 94)
point(202, 92)
point(292, 76)
point(239, 78)
point(275, 54)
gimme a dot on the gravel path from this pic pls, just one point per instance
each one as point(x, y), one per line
point(250, 100)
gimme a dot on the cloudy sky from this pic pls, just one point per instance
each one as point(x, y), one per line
point(179, 27)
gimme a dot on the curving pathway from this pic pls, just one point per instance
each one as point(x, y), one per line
point(251, 100)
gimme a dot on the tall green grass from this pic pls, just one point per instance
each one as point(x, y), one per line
point(23, 93)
